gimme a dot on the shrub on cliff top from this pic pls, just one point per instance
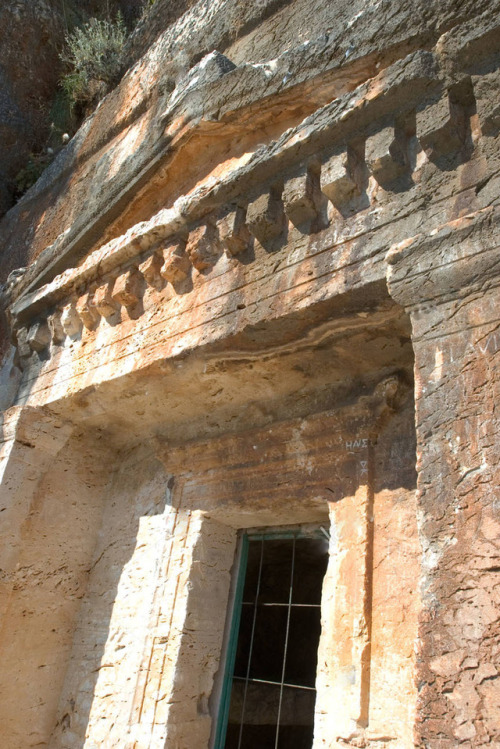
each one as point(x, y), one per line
point(94, 58)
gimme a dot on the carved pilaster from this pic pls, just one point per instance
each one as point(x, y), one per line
point(449, 284)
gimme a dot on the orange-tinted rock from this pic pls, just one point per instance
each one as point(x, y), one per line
point(267, 287)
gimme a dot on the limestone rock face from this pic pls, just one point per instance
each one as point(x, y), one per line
point(258, 294)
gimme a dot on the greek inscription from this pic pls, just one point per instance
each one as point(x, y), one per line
point(490, 344)
point(364, 467)
point(356, 444)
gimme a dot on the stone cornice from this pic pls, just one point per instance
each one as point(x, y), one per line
point(314, 72)
point(330, 167)
point(329, 129)
point(413, 76)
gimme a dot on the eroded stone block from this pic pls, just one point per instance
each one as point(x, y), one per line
point(337, 182)
point(233, 231)
point(486, 90)
point(436, 130)
point(298, 198)
point(151, 270)
point(127, 290)
point(201, 247)
point(22, 343)
point(384, 156)
point(71, 320)
point(176, 265)
point(56, 329)
point(103, 301)
point(39, 336)
point(87, 312)
point(265, 217)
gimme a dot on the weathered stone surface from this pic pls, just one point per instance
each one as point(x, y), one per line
point(22, 344)
point(176, 264)
point(87, 311)
point(337, 180)
point(127, 105)
point(151, 270)
point(301, 196)
point(265, 216)
point(127, 289)
point(457, 631)
point(39, 336)
point(56, 328)
point(385, 157)
point(71, 320)
point(202, 246)
point(258, 373)
point(488, 107)
point(233, 231)
point(103, 300)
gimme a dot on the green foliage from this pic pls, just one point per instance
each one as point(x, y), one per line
point(62, 118)
point(94, 58)
point(27, 176)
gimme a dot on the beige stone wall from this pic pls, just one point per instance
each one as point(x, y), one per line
point(51, 496)
point(148, 642)
point(366, 678)
point(159, 576)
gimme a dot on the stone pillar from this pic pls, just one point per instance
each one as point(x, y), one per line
point(449, 285)
point(29, 442)
point(171, 706)
point(343, 678)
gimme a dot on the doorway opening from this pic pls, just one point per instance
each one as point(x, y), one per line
point(269, 691)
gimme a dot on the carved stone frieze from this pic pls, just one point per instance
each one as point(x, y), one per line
point(153, 253)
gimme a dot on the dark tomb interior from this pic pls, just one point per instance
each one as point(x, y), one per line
point(273, 686)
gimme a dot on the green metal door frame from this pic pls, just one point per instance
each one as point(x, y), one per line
point(246, 537)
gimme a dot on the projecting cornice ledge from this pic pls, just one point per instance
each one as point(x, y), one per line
point(456, 260)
